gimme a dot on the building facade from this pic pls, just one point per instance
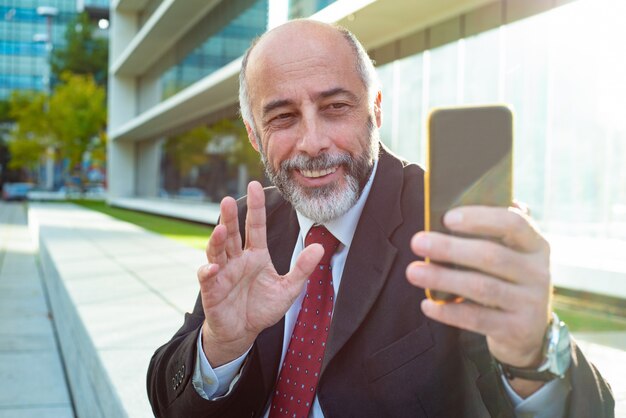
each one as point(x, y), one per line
point(173, 83)
point(29, 29)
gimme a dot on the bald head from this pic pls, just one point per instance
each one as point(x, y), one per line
point(298, 41)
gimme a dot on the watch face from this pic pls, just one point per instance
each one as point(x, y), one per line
point(563, 351)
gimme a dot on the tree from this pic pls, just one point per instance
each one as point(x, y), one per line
point(6, 123)
point(77, 119)
point(29, 138)
point(72, 123)
point(83, 53)
point(5, 111)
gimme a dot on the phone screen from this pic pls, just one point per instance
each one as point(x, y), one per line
point(469, 162)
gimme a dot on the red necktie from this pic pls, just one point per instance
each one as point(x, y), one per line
point(297, 381)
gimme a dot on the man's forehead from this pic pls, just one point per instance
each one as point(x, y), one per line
point(300, 60)
point(295, 41)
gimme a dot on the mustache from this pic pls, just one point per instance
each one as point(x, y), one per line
point(319, 162)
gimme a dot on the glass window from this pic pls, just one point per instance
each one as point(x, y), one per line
point(208, 163)
point(306, 8)
point(226, 45)
point(443, 75)
point(481, 68)
point(562, 75)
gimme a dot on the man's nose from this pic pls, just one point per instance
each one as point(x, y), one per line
point(313, 138)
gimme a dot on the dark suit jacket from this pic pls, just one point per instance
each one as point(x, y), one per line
point(384, 358)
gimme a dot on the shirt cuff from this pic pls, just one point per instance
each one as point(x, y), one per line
point(548, 402)
point(210, 383)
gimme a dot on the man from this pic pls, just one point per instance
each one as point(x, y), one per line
point(342, 329)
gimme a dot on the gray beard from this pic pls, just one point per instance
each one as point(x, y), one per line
point(324, 203)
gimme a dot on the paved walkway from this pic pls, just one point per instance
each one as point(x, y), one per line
point(32, 381)
point(135, 270)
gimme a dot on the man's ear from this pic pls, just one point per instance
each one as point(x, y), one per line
point(378, 112)
point(252, 136)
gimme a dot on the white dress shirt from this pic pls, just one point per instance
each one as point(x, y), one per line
point(213, 384)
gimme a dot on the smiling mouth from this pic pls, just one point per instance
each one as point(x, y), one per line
point(318, 173)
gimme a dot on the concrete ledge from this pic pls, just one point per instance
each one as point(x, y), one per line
point(117, 293)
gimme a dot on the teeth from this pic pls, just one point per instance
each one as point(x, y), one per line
point(318, 173)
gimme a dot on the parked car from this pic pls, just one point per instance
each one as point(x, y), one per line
point(95, 192)
point(40, 195)
point(16, 191)
point(191, 193)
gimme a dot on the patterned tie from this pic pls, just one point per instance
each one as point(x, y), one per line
point(299, 374)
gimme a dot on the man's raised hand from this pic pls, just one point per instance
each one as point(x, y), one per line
point(241, 292)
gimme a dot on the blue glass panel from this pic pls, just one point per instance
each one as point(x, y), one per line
point(22, 48)
point(221, 48)
point(21, 82)
point(305, 8)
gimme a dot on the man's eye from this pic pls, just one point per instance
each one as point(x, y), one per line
point(282, 119)
point(337, 107)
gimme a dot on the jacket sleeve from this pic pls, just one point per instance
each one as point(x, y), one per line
point(170, 388)
point(590, 395)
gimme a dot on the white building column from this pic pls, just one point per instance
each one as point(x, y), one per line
point(122, 106)
point(148, 167)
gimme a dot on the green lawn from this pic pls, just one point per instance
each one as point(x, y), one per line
point(188, 233)
point(581, 320)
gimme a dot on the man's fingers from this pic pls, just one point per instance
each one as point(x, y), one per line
point(523, 207)
point(472, 285)
point(256, 228)
point(486, 256)
point(469, 316)
point(206, 277)
point(305, 263)
point(511, 226)
point(228, 218)
point(216, 247)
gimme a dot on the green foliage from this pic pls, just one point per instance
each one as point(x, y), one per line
point(29, 137)
point(72, 121)
point(5, 111)
point(242, 152)
point(189, 149)
point(78, 117)
point(83, 53)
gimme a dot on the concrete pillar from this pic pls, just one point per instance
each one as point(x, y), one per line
point(148, 167)
point(121, 156)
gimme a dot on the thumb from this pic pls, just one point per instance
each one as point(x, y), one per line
point(305, 265)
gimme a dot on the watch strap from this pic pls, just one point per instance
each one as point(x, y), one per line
point(511, 372)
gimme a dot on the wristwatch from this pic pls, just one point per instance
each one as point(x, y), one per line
point(556, 353)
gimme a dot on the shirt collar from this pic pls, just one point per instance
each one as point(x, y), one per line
point(344, 226)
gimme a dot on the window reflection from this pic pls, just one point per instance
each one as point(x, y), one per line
point(563, 76)
point(209, 162)
point(305, 8)
point(224, 45)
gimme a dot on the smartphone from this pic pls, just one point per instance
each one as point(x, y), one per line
point(469, 162)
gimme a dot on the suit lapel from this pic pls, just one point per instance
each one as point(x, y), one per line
point(371, 255)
